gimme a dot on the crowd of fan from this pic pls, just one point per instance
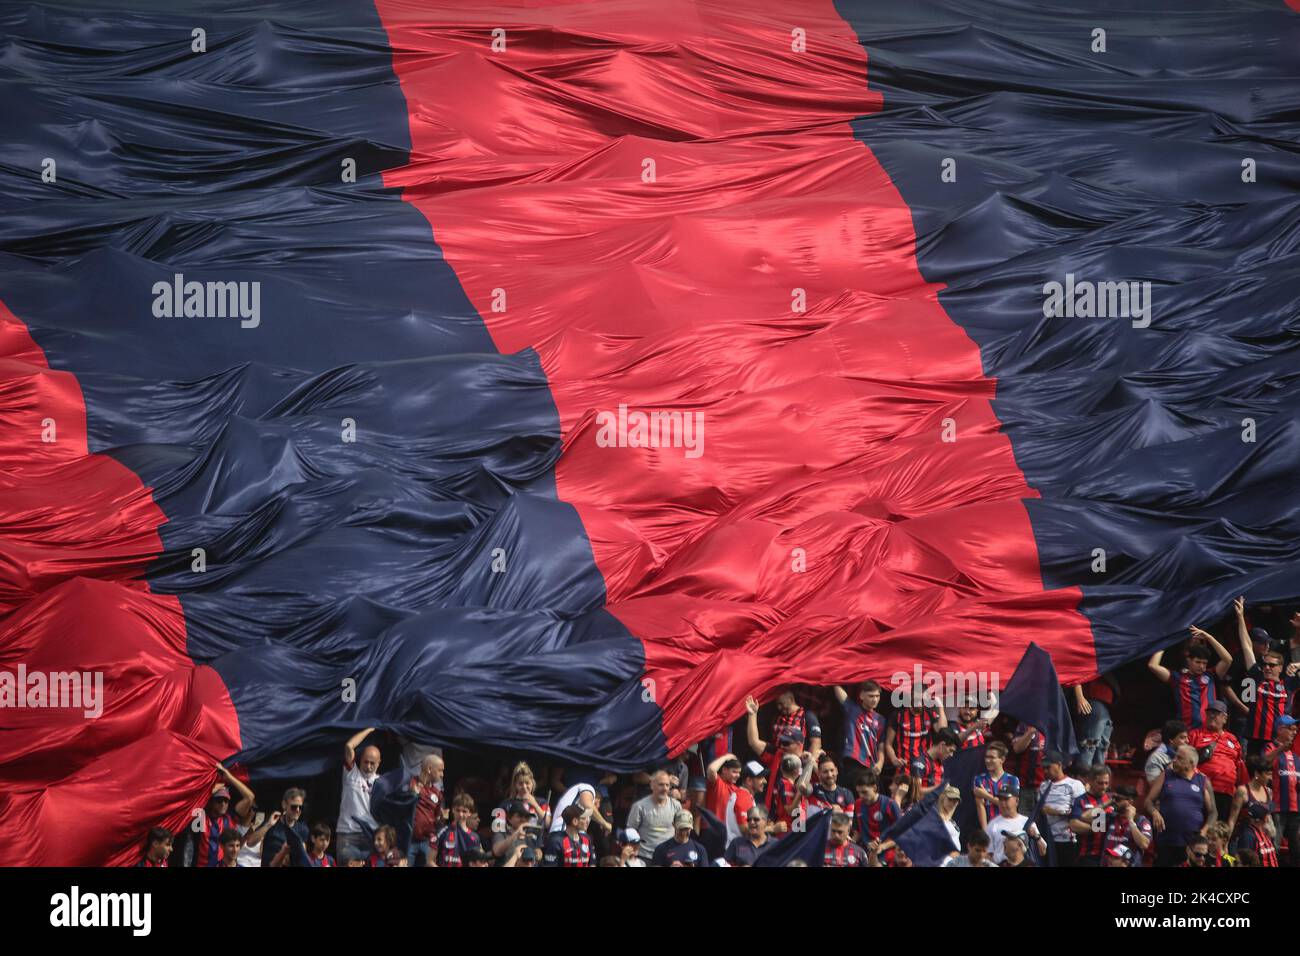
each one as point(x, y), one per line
point(1220, 787)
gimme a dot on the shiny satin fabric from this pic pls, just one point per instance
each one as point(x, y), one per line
point(503, 271)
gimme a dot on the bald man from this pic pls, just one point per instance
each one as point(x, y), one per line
point(354, 807)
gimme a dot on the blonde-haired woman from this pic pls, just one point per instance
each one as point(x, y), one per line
point(523, 786)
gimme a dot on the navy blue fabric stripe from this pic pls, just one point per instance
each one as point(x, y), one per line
point(1123, 165)
point(326, 559)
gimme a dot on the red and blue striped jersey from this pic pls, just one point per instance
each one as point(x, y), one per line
point(780, 794)
point(1269, 703)
point(207, 842)
point(801, 721)
point(1029, 764)
point(1255, 837)
point(454, 843)
point(149, 864)
point(912, 728)
point(1094, 841)
point(1286, 782)
point(976, 739)
point(928, 769)
point(325, 860)
point(577, 850)
point(1118, 834)
point(1192, 697)
point(875, 818)
point(985, 781)
point(863, 733)
point(846, 854)
point(837, 799)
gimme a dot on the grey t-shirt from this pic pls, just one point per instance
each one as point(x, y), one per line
point(653, 822)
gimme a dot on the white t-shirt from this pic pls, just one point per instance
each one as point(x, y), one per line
point(354, 807)
point(1060, 795)
point(248, 855)
point(998, 830)
point(570, 795)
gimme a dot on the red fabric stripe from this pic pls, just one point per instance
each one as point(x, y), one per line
point(76, 532)
point(822, 429)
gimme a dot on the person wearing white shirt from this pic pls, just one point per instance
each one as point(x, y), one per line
point(355, 821)
point(1056, 795)
point(1009, 820)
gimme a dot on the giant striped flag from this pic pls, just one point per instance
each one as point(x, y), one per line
point(552, 374)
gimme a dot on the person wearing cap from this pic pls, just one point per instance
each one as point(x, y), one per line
point(571, 846)
point(977, 854)
point(1220, 755)
point(628, 841)
point(203, 845)
point(744, 849)
point(1056, 796)
point(1125, 827)
point(1089, 817)
point(1117, 856)
point(1257, 835)
point(840, 849)
point(949, 800)
point(514, 829)
point(523, 856)
point(1265, 691)
point(1193, 686)
point(790, 733)
point(725, 798)
point(864, 729)
point(1181, 806)
point(1010, 820)
point(652, 816)
point(791, 721)
point(987, 785)
point(682, 849)
point(1014, 853)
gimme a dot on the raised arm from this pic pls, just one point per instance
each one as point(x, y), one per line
point(756, 743)
point(1155, 667)
point(711, 771)
point(1225, 659)
point(243, 807)
point(840, 695)
point(350, 748)
point(1243, 635)
point(254, 837)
